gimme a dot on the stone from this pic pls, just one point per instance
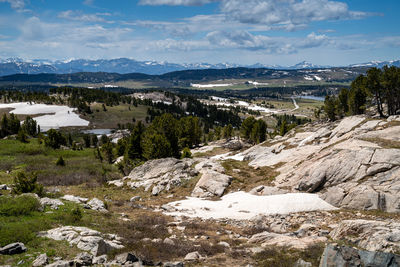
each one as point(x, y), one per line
point(169, 241)
point(284, 240)
point(75, 199)
point(4, 187)
point(211, 183)
point(302, 263)
point(97, 204)
point(85, 238)
point(233, 144)
point(161, 174)
point(223, 243)
point(83, 259)
point(53, 203)
point(135, 199)
point(174, 264)
point(99, 259)
point(13, 248)
point(41, 260)
point(193, 256)
point(335, 255)
point(61, 263)
point(369, 235)
point(267, 191)
point(117, 183)
point(126, 257)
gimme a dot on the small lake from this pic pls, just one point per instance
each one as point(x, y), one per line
point(318, 98)
point(97, 131)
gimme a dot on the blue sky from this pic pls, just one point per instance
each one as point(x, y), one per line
point(281, 32)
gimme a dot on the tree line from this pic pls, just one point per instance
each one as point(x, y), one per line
point(379, 88)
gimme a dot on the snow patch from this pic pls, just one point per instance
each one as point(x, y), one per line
point(245, 206)
point(63, 116)
point(210, 85)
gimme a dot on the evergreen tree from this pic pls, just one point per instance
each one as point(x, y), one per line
point(156, 145)
point(134, 149)
point(374, 87)
point(228, 131)
point(247, 127)
point(54, 139)
point(357, 96)
point(330, 107)
point(107, 149)
point(30, 126)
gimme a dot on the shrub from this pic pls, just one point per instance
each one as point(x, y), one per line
point(60, 161)
point(186, 153)
point(22, 136)
point(17, 206)
point(55, 139)
point(76, 214)
point(24, 184)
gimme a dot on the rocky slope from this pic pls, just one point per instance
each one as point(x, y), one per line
point(325, 194)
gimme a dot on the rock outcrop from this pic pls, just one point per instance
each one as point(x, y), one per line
point(213, 181)
point(85, 239)
point(354, 163)
point(369, 235)
point(53, 203)
point(342, 256)
point(14, 248)
point(159, 175)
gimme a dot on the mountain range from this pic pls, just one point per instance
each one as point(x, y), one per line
point(125, 65)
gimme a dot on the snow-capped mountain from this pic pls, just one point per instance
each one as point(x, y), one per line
point(378, 64)
point(125, 65)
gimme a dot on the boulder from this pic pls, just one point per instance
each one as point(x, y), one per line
point(99, 259)
point(286, 240)
point(341, 256)
point(41, 260)
point(96, 204)
point(263, 190)
point(233, 144)
point(53, 203)
point(13, 248)
point(211, 183)
point(83, 259)
point(161, 174)
point(193, 256)
point(75, 199)
point(126, 258)
point(135, 199)
point(369, 235)
point(61, 263)
point(174, 264)
point(85, 238)
point(302, 263)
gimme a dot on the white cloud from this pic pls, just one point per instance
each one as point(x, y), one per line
point(289, 13)
point(15, 4)
point(88, 2)
point(313, 40)
point(176, 2)
point(80, 16)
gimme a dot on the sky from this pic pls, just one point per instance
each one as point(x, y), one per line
point(273, 32)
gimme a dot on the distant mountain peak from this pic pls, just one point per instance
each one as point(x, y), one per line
point(14, 65)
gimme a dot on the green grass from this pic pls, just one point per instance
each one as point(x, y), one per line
point(24, 226)
point(81, 165)
point(282, 257)
point(17, 206)
point(246, 177)
point(117, 114)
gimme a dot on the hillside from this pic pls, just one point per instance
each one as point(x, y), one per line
point(233, 77)
point(326, 187)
